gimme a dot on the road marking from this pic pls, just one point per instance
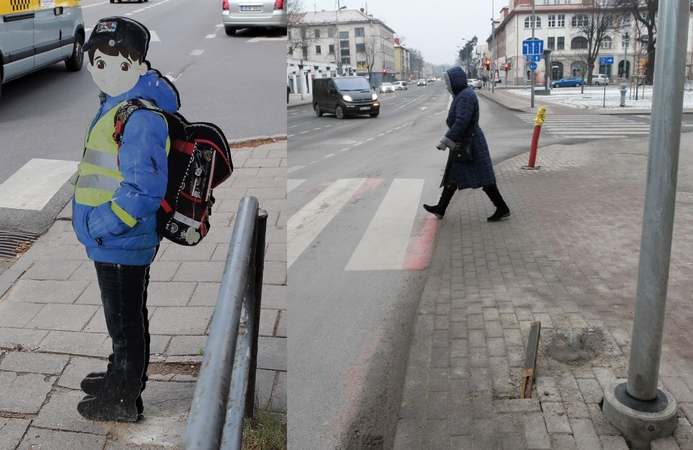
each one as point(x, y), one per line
point(294, 169)
point(304, 226)
point(260, 39)
point(328, 156)
point(89, 6)
point(210, 36)
point(292, 184)
point(32, 186)
point(344, 149)
point(369, 139)
point(384, 244)
point(153, 36)
point(196, 52)
point(304, 132)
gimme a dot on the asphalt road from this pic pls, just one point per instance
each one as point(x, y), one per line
point(236, 82)
point(351, 317)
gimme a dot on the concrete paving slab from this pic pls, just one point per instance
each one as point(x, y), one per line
point(42, 291)
point(77, 368)
point(28, 362)
point(12, 431)
point(60, 440)
point(176, 320)
point(23, 393)
point(17, 315)
point(63, 317)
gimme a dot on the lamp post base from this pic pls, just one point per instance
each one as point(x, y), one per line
point(640, 422)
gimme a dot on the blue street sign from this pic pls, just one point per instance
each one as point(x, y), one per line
point(535, 58)
point(532, 47)
point(606, 60)
point(533, 66)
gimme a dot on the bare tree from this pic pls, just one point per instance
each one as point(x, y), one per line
point(369, 52)
point(598, 22)
point(300, 34)
point(645, 13)
point(416, 60)
point(466, 53)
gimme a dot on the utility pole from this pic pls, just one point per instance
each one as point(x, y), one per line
point(640, 410)
point(532, 85)
point(493, 49)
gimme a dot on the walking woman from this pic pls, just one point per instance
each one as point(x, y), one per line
point(463, 122)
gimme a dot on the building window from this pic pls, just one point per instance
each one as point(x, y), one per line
point(579, 43)
point(330, 32)
point(528, 22)
point(303, 33)
point(552, 21)
point(304, 50)
point(343, 35)
point(580, 20)
point(343, 44)
point(331, 49)
point(359, 32)
point(361, 63)
point(317, 33)
point(360, 48)
point(556, 2)
point(345, 52)
point(607, 42)
point(318, 50)
point(551, 43)
point(560, 43)
point(561, 21)
point(346, 60)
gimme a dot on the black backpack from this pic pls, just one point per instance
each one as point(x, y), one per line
point(199, 160)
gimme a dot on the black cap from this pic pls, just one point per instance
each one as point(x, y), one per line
point(120, 33)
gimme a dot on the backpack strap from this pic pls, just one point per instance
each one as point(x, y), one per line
point(124, 113)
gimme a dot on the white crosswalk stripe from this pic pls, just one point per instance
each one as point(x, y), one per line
point(34, 184)
point(589, 126)
point(398, 236)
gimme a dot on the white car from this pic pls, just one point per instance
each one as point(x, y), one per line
point(387, 87)
point(421, 82)
point(474, 83)
point(400, 85)
point(600, 79)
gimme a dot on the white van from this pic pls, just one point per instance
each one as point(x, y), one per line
point(35, 34)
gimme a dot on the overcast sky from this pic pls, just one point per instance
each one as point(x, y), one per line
point(435, 27)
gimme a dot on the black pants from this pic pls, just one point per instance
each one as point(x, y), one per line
point(124, 298)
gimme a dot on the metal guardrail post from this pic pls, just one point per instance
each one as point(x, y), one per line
point(209, 405)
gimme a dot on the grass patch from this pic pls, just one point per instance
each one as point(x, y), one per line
point(264, 432)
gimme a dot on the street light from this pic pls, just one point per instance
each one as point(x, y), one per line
point(337, 49)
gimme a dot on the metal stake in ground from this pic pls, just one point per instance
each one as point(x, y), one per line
point(637, 408)
point(530, 360)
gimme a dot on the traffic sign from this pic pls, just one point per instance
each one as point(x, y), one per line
point(532, 47)
point(533, 66)
point(535, 58)
point(606, 60)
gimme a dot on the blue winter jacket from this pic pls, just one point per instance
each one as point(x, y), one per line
point(143, 164)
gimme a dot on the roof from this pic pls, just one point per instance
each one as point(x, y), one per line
point(344, 16)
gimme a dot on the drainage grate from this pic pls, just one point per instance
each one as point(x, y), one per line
point(13, 243)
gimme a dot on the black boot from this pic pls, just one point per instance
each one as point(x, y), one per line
point(93, 385)
point(115, 401)
point(439, 209)
point(502, 210)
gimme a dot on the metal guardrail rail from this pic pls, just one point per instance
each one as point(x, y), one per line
point(225, 389)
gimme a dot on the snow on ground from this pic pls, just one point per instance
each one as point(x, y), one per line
point(595, 97)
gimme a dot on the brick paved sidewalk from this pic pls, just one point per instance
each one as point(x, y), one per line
point(52, 329)
point(568, 257)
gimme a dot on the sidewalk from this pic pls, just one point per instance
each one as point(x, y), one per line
point(295, 100)
point(567, 257)
point(52, 329)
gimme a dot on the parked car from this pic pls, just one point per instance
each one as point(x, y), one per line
point(34, 35)
point(600, 79)
point(401, 85)
point(344, 96)
point(237, 14)
point(474, 83)
point(421, 82)
point(567, 82)
point(386, 87)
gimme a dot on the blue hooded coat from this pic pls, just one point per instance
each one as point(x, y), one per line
point(463, 121)
point(144, 166)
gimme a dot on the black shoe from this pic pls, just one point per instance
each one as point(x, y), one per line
point(107, 409)
point(501, 213)
point(92, 385)
point(437, 210)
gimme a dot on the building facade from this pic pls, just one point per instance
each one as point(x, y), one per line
point(351, 42)
point(402, 62)
point(557, 23)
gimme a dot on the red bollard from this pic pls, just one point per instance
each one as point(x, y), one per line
point(539, 121)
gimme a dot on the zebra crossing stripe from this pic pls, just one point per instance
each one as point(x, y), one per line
point(304, 226)
point(385, 242)
point(33, 185)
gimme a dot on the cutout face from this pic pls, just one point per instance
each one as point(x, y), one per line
point(115, 75)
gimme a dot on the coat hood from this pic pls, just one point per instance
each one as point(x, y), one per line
point(455, 80)
point(151, 86)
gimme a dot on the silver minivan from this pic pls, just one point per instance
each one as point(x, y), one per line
point(36, 34)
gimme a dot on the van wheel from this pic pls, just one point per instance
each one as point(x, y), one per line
point(75, 62)
point(317, 111)
point(339, 112)
point(374, 114)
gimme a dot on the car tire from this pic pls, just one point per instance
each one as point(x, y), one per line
point(339, 112)
point(74, 63)
point(374, 114)
point(577, 84)
point(317, 110)
point(230, 31)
